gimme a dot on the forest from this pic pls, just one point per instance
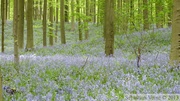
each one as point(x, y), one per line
point(90, 50)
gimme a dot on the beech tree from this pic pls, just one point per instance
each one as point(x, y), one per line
point(51, 23)
point(15, 30)
point(41, 13)
point(29, 17)
point(72, 15)
point(3, 21)
point(2, 47)
point(63, 38)
point(44, 23)
point(145, 15)
point(175, 38)
point(79, 20)
point(109, 27)
point(87, 20)
point(66, 11)
point(21, 24)
point(57, 16)
point(159, 13)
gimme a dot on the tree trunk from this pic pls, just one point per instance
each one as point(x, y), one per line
point(29, 17)
point(66, 11)
point(8, 9)
point(175, 41)
point(44, 23)
point(109, 27)
point(94, 10)
point(57, 15)
point(87, 20)
point(40, 4)
point(159, 14)
point(63, 38)
point(15, 28)
point(132, 15)
point(79, 21)
point(72, 16)
point(5, 11)
point(21, 24)
point(36, 13)
point(119, 16)
point(3, 21)
point(51, 24)
point(145, 15)
point(140, 15)
point(126, 16)
point(169, 13)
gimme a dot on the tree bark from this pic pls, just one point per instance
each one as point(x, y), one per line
point(72, 16)
point(175, 41)
point(40, 4)
point(159, 14)
point(109, 27)
point(15, 27)
point(87, 20)
point(36, 13)
point(44, 23)
point(51, 23)
point(79, 21)
point(145, 15)
point(30, 40)
point(169, 13)
point(57, 15)
point(2, 21)
point(63, 38)
point(66, 11)
point(21, 24)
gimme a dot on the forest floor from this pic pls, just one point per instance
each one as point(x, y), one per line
point(80, 71)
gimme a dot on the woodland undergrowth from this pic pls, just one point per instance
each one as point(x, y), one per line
point(80, 71)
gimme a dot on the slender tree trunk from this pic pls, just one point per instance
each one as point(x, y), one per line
point(15, 27)
point(87, 20)
point(105, 22)
point(119, 14)
point(2, 17)
point(132, 15)
point(63, 38)
point(5, 11)
point(169, 13)
point(30, 40)
point(151, 21)
point(175, 41)
point(57, 15)
point(44, 23)
point(159, 14)
point(72, 16)
point(21, 25)
point(8, 9)
point(66, 11)
point(140, 15)
point(36, 10)
point(25, 8)
point(98, 13)
point(41, 13)
point(51, 24)
point(94, 10)
point(109, 25)
point(126, 16)
point(79, 21)
point(145, 15)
